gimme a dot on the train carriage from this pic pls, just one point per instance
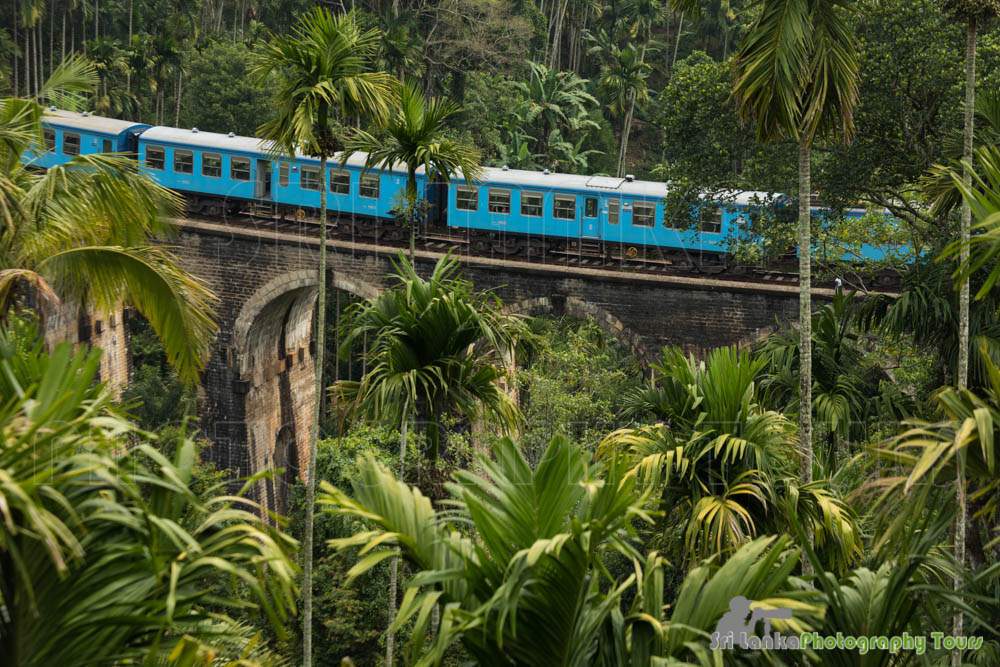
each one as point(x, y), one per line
point(222, 172)
point(68, 134)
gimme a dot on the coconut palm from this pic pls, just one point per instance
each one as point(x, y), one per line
point(84, 230)
point(434, 348)
point(531, 585)
point(108, 555)
point(414, 137)
point(623, 81)
point(325, 64)
point(796, 78)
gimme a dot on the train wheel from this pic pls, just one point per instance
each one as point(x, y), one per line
point(632, 252)
point(300, 215)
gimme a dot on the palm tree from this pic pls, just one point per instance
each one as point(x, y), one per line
point(325, 64)
point(796, 78)
point(84, 230)
point(414, 136)
point(623, 80)
point(721, 465)
point(551, 98)
point(435, 348)
point(108, 554)
point(531, 585)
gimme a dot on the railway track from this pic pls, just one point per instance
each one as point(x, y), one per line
point(580, 256)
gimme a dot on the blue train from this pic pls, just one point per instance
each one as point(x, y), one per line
point(509, 212)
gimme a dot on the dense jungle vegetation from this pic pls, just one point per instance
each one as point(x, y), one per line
point(483, 487)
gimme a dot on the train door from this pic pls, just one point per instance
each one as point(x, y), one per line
point(263, 184)
point(610, 212)
point(589, 227)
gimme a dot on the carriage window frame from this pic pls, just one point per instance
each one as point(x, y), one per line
point(369, 186)
point(159, 162)
point(531, 210)
point(207, 169)
point(50, 140)
point(614, 211)
point(498, 201)
point(239, 168)
point(710, 221)
point(183, 161)
point(107, 146)
point(646, 219)
point(283, 174)
point(339, 187)
point(67, 136)
point(559, 208)
point(310, 180)
point(590, 207)
point(466, 198)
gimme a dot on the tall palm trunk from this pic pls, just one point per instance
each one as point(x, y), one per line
point(677, 44)
point(805, 308)
point(390, 638)
point(963, 318)
point(626, 129)
point(411, 198)
point(557, 35)
point(307, 555)
point(177, 108)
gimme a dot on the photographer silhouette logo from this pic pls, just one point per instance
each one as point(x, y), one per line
point(737, 627)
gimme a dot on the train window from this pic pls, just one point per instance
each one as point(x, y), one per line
point(499, 201)
point(564, 207)
point(183, 161)
point(590, 207)
point(211, 165)
point(711, 220)
point(239, 168)
point(283, 175)
point(155, 157)
point(310, 178)
point(50, 140)
point(340, 182)
point(467, 199)
point(368, 187)
point(613, 211)
point(531, 204)
point(643, 215)
point(106, 146)
point(71, 144)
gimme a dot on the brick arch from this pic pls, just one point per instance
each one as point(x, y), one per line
point(272, 337)
point(584, 310)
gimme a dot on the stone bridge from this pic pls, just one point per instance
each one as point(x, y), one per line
point(258, 387)
point(257, 390)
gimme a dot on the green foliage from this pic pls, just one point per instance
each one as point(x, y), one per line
point(105, 538)
point(219, 95)
point(531, 587)
point(572, 383)
point(351, 615)
point(155, 396)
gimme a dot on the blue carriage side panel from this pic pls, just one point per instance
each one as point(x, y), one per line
point(206, 162)
point(68, 133)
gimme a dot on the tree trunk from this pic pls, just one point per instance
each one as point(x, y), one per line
point(963, 320)
point(52, 36)
point(805, 318)
point(557, 35)
point(38, 54)
point(14, 13)
point(390, 638)
point(63, 52)
point(27, 63)
point(307, 555)
point(626, 129)
point(180, 87)
point(677, 44)
point(97, 13)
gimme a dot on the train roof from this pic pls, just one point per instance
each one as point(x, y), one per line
point(225, 142)
point(591, 184)
point(88, 123)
